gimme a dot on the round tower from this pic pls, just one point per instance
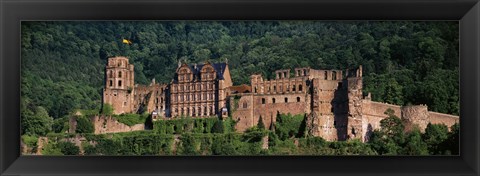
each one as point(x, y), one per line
point(416, 115)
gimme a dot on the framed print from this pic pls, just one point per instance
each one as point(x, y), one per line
point(239, 87)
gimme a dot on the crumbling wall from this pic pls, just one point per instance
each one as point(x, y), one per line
point(243, 115)
point(356, 125)
point(251, 107)
point(108, 124)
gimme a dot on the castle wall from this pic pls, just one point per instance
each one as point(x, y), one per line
point(251, 107)
point(373, 113)
point(439, 118)
point(107, 124)
point(243, 113)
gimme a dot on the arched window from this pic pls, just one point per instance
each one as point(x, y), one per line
point(334, 75)
point(205, 111)
point(255, 89)
point(111, 83)
point(199, 111)
point(286, 100)
point(119, 83)
point(325, 75)
point(298, 99)
point(244, 104)
point(119, 74)
point(293, 88)
point(193, 112)
point(274, 88)
point(273, 100)
point(300, 87)
point(110, 74)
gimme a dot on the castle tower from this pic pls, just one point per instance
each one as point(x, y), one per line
point(255, 81)
point(119, 84)
point(356, 124)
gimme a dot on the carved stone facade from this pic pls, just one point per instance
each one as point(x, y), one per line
point(196, 91)
point(331, 100)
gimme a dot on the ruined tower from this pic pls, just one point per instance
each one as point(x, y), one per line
point(119, 84)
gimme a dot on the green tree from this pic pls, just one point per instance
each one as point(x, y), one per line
point(36, 123)
point(68, 148)
point(389, 139)
point(84, 125)
point(434, 137)
point(260, 123)
point(414, 145)
point(218, 127)
point(107, 109)
point(453, 140)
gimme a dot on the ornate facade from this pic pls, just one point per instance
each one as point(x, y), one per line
point(195, 91)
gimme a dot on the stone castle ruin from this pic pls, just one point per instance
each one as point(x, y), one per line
point(332, 100)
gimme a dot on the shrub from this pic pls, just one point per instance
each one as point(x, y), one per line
point(84, 125)
point(68, 148)
point(132, 119)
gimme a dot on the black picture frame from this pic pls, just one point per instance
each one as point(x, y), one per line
point(14, 11)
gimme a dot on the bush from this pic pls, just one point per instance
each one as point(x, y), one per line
point(132, 119)
point(30, 141)
point(60, 125)
point(288, 126)
point(68, 148)
point(107, 109)
point(84, 125)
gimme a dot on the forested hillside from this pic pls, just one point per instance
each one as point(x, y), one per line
point(404, 62)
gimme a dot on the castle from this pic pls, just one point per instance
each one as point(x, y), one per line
point(332, 100)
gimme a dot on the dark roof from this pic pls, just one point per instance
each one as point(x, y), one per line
point(241, 89)
point(218, 67)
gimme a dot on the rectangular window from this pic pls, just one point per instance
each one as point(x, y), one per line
point(263, 100)
point(119, 83)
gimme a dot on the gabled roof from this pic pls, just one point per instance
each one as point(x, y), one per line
point(218, 67)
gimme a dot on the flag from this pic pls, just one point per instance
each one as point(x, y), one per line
point(127, 41)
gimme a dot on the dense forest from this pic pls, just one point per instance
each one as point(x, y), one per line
point(405, 62)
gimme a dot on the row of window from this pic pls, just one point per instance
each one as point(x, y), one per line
point(274, 100)
point(300, 88)
point(120, 73)
point(194, 97)
point(188, 77)
point(245, 104)
point(195, 111)
point(192, 87)
point(119, 83)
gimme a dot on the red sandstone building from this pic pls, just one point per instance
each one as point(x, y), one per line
point(331, 100)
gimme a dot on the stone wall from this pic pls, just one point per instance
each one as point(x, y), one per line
point(251, 107)
point(108, 124)
point(439, 118)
